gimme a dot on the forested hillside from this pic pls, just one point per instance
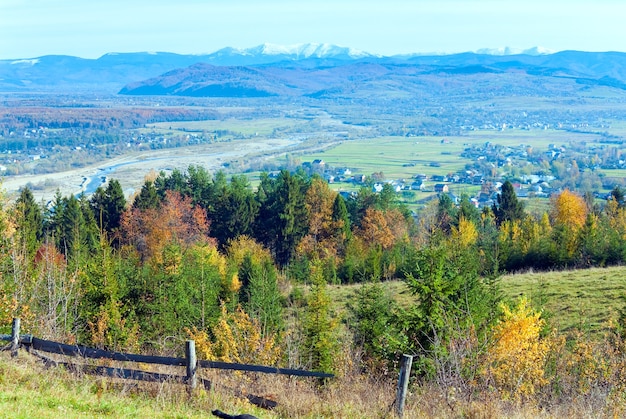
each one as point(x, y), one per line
point(245, 272)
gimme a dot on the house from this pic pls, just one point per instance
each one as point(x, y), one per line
point(441, 188)
point(418, 185)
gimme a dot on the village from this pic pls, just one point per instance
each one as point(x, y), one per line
point(534, 173)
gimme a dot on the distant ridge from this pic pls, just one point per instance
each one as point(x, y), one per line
point(113, 72)
point(531, 74)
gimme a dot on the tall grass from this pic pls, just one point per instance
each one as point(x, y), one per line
point(27, 390)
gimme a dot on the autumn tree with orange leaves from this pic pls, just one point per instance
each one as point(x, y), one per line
point(175, 221)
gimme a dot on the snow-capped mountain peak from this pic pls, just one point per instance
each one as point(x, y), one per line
point(514, 51)
point(299, 51)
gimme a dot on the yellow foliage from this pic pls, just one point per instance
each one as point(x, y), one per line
point(530, 233)
point(172, 260)
point(241, 246)
point(584, 364)
point(465, 234)
point(569, 209)
point(617, 217)
point(235, 284)
point(111, 330)
point(544, 225)
point(510, 230)
point(517, 357)
point(215, 258)
point(237, 338)
point(319, 203)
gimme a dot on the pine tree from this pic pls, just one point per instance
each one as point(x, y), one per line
point(341, 218)
point(200, 186)
point(319, 329)
point(283, 218)
point(234, 210)
point(508, 207)
point(446, 281)
point(148, 197)
point(372, 322)
point(29, 220)
point(263, 300)
point(108, 205)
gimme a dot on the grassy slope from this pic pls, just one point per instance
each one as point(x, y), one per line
point(570, 299)
point(586, 298)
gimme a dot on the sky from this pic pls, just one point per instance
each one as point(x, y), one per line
point(91, 28)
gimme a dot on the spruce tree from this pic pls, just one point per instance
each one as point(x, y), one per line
point(283, 218)
point(319, 329)
point(148, 197)
point(108, 205)
point(508, 207)
point(29, 219)
point(260, 295)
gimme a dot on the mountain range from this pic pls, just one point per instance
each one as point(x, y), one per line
point(314, 70)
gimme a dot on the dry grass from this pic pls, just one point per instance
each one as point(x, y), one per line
point(27, 390)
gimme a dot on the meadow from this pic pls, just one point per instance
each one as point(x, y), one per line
point(585, 299)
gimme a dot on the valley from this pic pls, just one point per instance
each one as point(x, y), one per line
point(537, 142)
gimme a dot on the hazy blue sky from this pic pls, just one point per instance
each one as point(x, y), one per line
point(90, 28)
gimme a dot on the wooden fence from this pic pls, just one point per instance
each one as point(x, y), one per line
point(190, 362)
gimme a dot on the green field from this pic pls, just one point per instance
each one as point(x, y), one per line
point(28, 390)
point(404, 157)
point(396, 157)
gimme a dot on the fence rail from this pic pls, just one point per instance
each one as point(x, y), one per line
point(190, 362)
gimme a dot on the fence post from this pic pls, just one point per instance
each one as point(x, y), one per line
point(403, 383)
point(15, 337)
point(192, 364)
